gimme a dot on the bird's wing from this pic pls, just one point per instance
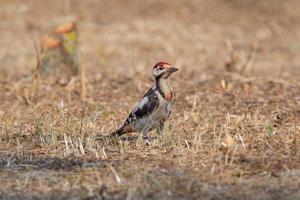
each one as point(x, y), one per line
point(146, 106)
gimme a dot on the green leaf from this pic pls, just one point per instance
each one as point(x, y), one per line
point(270, 128)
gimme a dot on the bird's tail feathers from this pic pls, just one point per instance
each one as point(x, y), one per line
point(117, 133)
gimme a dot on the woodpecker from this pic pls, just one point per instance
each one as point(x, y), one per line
point(154, 108)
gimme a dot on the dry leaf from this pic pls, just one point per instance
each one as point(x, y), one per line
point(64, 28)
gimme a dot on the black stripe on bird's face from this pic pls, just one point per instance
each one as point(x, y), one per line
point(163, 72)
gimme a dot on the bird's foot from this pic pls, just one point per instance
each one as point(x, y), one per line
point(146, 139)
point(149, 139)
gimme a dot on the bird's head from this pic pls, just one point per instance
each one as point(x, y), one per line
point(163, 70)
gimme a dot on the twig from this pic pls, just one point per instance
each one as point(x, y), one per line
point(36, 78)
point(82, 117)
point(83, 80)
point(118, 179)
point(246, 63)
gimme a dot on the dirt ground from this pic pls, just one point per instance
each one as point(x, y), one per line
point(234, 132)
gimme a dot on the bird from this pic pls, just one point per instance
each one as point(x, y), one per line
point(154, 108)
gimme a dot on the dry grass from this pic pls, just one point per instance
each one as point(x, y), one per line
point(235, 129)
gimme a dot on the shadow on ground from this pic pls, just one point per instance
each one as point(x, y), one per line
point(49, 163)
point(180, 186)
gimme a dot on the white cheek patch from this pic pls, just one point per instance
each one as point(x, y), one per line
point(157, 72)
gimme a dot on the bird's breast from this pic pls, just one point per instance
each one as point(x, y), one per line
point(169, 96)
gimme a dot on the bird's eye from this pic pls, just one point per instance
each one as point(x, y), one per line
point(160, 68)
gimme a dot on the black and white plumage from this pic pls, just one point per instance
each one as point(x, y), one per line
point(154, 108)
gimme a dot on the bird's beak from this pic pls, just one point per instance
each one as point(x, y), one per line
point(172, 69)
point(169, 71)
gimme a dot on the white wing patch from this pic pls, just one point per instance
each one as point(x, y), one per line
point(142, 102)
point(140, 105)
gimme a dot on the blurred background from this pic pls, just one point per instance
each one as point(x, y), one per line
point(233, 132)
point(131, 36)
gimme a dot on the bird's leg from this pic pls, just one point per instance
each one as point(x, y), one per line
point(146, 138)
point(161, 128)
